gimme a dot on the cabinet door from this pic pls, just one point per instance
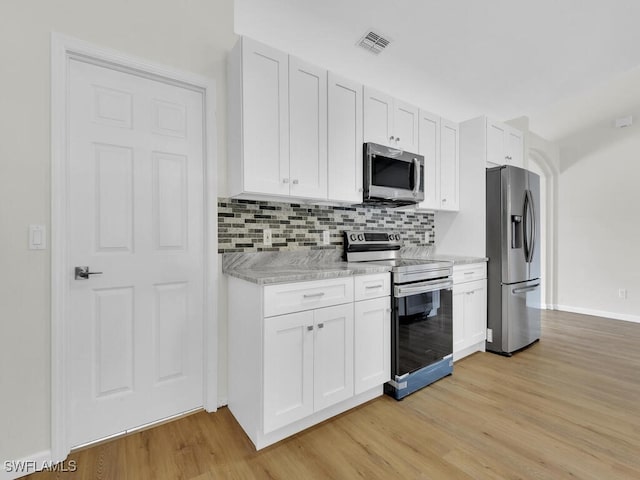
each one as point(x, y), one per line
point(378, 117)
point(405, 126)
point(288, 369)
point(469, 314)
point(429, 146)
point(476, 312)
point(345, 140)
point(265, 118)
point(496, 148)
point(515, 148)
point(308, 130)
point(372, 341)
point(449, 166)
point(333, 355)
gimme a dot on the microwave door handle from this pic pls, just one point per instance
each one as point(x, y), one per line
point(416, 176)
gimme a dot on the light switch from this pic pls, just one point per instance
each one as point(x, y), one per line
point(37, 237)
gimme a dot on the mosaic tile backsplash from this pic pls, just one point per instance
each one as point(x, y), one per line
point(299, 226)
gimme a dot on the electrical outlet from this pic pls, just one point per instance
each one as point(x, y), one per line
point(489, 335)
point(325, 237)
point(622, 293)
point(266, 237)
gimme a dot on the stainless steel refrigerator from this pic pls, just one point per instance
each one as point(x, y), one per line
point(513, 248)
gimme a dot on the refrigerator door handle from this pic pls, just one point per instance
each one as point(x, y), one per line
point(530, 288)
point(529, 226)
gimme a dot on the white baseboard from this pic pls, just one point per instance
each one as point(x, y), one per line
point(599, 313)
point(12, 469)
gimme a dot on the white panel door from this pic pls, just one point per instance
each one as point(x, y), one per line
point(405, 126)
point(345, 140)
point(333, 355)
point(378, 117)
point(429, 146)
point(134, 331)
point(288, 369)
point(449, 166)
point(372, 341)
point(308, 130)
point(265, 118)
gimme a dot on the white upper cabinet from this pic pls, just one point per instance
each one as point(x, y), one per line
point(277, 124)
point(258, 119)
point(449, 166)
point(345, 140)
point(307, 130)
point(505, 145)
point(389, 121)
point(429, 147)
point(438, 143)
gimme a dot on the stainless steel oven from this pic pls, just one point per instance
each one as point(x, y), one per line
point(421, 331)
point(422, 311)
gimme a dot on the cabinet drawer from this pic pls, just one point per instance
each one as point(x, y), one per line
point(299, 296)
point(469, 273)
point(372, 286)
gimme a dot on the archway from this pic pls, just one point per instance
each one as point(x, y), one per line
point(539, 162)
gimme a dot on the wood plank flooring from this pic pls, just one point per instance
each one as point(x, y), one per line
point(567, 407)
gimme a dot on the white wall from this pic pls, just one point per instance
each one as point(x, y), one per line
point(193, 35)
point(599, 221)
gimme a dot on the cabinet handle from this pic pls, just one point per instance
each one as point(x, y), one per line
point(391, 138)
point(388, 310)
point(321, 325)
point(444, 200)
point(360, 190)
point(312, 295)
point(469, 273)
point(295, 181)
point(397, 140)
point(285, 180)
point(373, 286)
point(309, 327)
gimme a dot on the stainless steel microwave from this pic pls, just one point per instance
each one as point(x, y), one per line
point(391, 176)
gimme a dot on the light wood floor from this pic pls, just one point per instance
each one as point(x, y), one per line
point(568, 407)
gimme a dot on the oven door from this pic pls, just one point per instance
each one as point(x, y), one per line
point(422, 331)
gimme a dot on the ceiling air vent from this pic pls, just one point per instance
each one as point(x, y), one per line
point(374, 42)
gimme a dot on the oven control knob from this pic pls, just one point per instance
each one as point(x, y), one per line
point(360, 237)
point(397, 236)
point(353, 237)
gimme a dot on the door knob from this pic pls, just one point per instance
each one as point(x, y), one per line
point(83, 273)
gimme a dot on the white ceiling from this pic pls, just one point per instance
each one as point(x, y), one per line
point(464, 58)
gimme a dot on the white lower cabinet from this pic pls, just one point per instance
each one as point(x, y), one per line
point(469, 309)
point(308, 363)
point(316, 354)
point(373, 341)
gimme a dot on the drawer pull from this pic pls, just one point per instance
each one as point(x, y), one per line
point(469, 273)
point(373, 286)
point(313, 295)
point(309, 327)
point(321, 325)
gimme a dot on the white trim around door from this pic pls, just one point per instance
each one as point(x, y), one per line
point(63, 50)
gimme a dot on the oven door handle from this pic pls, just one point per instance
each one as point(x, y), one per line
point(405, 291)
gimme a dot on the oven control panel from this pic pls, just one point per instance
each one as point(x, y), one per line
point(389, 238)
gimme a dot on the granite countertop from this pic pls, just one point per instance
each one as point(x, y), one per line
point(268, 268)
point(460, 260)
point(267, 275)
